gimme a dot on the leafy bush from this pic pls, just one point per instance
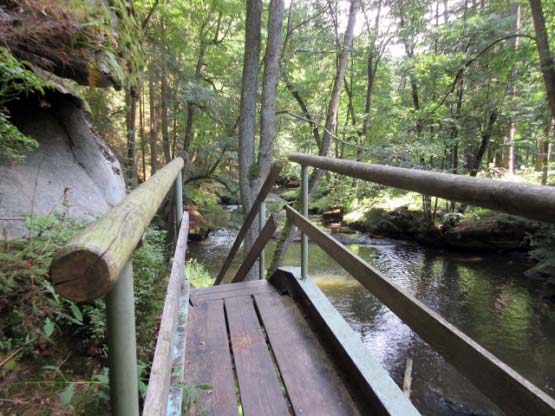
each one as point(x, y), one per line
point(15, 80)
point(197, 274)
point(42, 328)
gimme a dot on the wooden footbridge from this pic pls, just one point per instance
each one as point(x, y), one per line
point(277, 346)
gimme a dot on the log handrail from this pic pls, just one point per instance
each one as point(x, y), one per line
point(254, 211)
point(504, 386)
point(157, 394)
point(531, 201)
point(89, 265)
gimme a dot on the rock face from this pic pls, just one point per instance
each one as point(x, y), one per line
point(73, 171)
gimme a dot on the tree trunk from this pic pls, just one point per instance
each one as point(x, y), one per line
point(165, 121)
point(547, 64)
point(131, 121)
point(371, 68)
point(269, 86)
point(547, 151)
point(331, 124)
point(509, 155)
point(247, 125)
point(486, 136)
point(191, 108)
point(152, 119)
point(142, 131)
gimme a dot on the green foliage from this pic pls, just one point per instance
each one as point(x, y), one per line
point(197, 274)
point(15, 80)
point(36, 318)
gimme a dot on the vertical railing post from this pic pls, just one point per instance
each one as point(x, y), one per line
point(304, 211)
point(261, 222)
point(122, 347)
point(178, 201)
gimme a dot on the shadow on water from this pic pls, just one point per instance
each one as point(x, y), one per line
point(485, 295)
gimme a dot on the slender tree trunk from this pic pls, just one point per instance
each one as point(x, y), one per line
point(509, 155)
point(547, 64)
point(269, 86)
point(371, 68)
point(247, 126)
point(165, 120)
point(547, 150)
point(142, 131)
point(486, 136)
point(191, 108)
point(131, 121)
point(330, 129)
point(152, 119)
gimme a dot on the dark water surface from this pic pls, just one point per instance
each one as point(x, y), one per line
point(483, 294)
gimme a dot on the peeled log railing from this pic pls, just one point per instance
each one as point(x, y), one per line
point(98, 262)
point(531, 201)
point(89, 265)
point(504, 386)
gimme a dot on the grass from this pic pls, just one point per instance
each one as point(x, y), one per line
point(197, 274)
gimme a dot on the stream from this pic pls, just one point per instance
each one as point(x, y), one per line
point(484, 294)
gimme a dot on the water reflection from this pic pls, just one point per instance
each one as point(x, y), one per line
point(484, 295)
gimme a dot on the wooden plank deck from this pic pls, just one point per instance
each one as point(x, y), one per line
point(258, 355)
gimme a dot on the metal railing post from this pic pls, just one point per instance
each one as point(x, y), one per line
point(122, 347)
point(261, 222)
point(304, 211)
point(178, 201)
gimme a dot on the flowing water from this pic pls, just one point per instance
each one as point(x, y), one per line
point(483, 294)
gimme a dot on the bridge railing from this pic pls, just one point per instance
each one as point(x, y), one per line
point(98, 262)
point(504, 386)
point(267, 229)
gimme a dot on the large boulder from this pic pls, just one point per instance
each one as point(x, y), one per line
point(72, 171)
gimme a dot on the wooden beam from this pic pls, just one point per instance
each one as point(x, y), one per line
point(263, 238)
point(368, 381)
point(160, 376)
point(531, 201)
point(504, 386)
point(89, 265)
point(264, 191)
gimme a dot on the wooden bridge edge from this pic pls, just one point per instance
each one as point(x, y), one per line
point(386, 397)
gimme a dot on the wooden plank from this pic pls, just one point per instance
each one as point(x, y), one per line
point(208, 360)
point(228, 287)
point(262, 194)
point(532, 201)
point(259, 385)
point(89, 265)
point(234, 293)
point(312, 383)
point(369, 381)
point(504, 386)
point(160, 374)
point(265, 234)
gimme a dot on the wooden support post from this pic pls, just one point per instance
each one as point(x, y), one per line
point(304, 210)
point(264, 191)
point(261, 221)
point(263, 238)
point(122, 347)
point(407, 379)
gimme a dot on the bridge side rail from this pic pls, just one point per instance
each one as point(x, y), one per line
point(509, 390)
point(98, 262)
point(167, 348)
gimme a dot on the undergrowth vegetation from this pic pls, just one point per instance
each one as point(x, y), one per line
point(50, 346)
